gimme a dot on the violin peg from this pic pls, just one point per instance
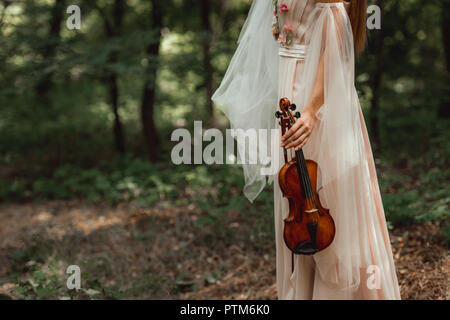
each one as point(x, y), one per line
point(298, 115)
point(278, 114)
point(293, 107)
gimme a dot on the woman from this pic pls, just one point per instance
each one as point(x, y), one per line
point(312, 63)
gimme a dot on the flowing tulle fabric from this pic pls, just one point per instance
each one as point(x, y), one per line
point(338, 134)
point(248, 93)
point(347, 181)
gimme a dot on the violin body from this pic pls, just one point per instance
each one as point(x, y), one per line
point(304, 215)
point(309, 227)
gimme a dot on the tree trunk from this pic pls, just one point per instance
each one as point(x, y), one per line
point(376, 86)
point(119, 140)
point(113, 30)
point(44, 84)
point(208, 68)
point(149, 91)
point(444, 110)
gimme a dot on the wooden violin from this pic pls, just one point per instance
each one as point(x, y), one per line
point(309, 228)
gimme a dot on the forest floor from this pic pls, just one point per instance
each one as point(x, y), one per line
point(164, 253)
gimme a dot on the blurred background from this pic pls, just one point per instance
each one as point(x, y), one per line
point(85, 173)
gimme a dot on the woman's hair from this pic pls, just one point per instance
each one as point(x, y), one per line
point(358, 16)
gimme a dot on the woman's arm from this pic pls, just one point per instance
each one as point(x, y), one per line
point(300, 132)
point(298, 135)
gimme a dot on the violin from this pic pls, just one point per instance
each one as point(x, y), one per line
point(309, 228)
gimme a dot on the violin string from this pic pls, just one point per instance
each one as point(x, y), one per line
point(305, 179)
point(302, 168)
point(305, 175)
point(305, 186)
point(311, 191)
point(301, 173)
point(308, 181)
point(308, 186)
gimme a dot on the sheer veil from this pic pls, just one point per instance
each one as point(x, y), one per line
point(248, 93)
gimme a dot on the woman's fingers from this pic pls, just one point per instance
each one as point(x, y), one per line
point(299, 134)
point(297, 125)
point(298, 143)
point(294, 136)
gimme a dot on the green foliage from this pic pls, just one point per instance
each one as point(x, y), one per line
point(124, 180)
point(422, 192)
point(59, 144)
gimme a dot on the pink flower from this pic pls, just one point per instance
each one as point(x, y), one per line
point(283, 8)
point(288, 27)
point(282, 38)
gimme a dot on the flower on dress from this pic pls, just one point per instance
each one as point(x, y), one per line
point(286, 35)
point(275, 28)
point(288, 27)
point(282, 38)
point(283, 8)
point(275, 23)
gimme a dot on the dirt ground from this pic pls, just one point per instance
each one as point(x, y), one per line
point(162, 253)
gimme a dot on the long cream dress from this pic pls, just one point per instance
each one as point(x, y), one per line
point(359, 263)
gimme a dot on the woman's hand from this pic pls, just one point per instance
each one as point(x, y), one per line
point(299, 134)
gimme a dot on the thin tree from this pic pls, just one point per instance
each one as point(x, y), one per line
point(44, 84)
point(113, 29)
point(444, 110)
point(210, 33)
point(151, 72)
point(205, 11)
